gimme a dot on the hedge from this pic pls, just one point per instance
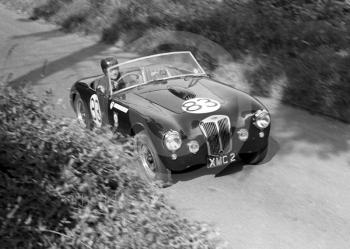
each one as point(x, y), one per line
point(65, 187)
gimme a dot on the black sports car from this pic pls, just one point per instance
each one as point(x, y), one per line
point(179, 115)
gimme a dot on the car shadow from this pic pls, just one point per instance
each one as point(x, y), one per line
point(235, 167)
point(272, 150)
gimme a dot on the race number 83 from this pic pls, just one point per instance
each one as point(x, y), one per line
point(95, 110)
point(200, 105)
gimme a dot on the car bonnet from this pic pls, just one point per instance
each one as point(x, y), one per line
point(173, 93)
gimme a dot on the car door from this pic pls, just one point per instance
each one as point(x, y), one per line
point(120, 115)
point(99, 104)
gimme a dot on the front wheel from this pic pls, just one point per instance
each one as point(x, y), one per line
point(152, 167)
point(255, 157)
point(82, 112)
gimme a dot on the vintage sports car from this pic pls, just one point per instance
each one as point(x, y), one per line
point(179, 115)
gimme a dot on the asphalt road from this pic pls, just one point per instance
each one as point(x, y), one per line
point(298, 198)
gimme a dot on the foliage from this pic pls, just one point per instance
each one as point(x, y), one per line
point(64, 187)
point(319, 82)
point(22, 5)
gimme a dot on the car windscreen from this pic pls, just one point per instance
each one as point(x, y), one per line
point(157, 67)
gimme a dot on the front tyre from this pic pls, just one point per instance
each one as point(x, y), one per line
point(255, 157)
point(152, 167)
point(82, 112)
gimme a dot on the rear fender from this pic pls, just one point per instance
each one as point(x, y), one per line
point(84, 90)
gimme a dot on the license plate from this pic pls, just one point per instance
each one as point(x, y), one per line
point(222, 160)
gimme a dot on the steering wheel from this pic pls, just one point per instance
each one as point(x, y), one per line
point(130, 82)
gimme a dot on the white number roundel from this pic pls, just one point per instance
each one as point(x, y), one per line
point(95, 110)
point(200, 105)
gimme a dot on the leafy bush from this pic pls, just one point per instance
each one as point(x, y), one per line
point(49, 8)
point(64, 187)
point(23, 5)
point(319, 82)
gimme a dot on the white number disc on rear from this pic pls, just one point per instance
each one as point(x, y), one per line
point(95, 110)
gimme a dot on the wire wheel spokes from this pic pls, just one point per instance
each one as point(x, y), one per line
point(147, 161)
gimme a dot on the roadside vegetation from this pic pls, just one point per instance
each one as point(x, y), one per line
point(64, 187)
point(299, 47)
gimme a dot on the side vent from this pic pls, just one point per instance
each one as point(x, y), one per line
point(182, 93)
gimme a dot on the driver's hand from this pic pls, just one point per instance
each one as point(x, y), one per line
point(121, 85)
point(118, 86)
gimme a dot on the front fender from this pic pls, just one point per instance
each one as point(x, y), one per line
point(136, 128)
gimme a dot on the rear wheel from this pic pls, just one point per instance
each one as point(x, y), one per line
point(253, 158)
point(152, 167)
point(82, 112)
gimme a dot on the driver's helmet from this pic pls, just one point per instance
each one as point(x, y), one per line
point(108, 62)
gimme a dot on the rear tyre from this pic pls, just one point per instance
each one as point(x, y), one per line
point(82, 111)
point(255, 157)
point(152, 167)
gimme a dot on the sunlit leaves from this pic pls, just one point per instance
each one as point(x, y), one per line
point(65, 187)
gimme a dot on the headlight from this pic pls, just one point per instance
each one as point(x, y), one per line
point(262, 119)
point(172, 140)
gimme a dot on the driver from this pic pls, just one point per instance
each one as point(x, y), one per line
point(114, 74)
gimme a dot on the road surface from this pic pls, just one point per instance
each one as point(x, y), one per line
point(298, 198)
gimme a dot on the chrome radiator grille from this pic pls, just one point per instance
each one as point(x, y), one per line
point(216, 129)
